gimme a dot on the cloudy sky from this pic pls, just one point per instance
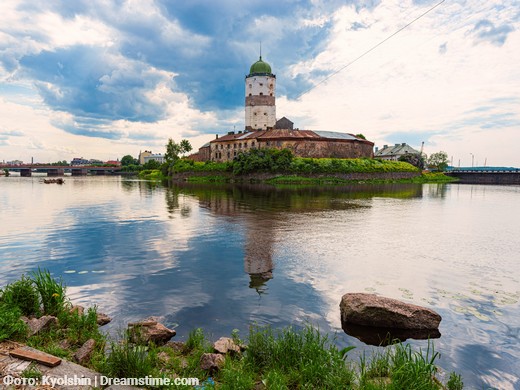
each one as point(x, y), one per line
point(105, 78)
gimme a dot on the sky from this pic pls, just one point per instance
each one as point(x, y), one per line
point(105, 78)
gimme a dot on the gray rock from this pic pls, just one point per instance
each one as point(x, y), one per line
point(226, 345)
point(103, 319)
point(373, 310)
point(36, 325)
point(149, 330)
point(211, 361)
point(84, 354)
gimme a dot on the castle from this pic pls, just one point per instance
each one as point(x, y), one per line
point(262, 130)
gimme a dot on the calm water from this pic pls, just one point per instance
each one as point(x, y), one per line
point(224, 257)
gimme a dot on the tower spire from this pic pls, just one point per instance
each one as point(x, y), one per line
point(260, 50)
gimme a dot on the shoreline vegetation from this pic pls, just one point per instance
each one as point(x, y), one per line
point(268, 358)
point(273, 166)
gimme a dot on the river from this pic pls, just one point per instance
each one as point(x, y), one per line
point(222, 257)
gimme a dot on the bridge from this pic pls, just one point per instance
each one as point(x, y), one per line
point(482, 175)
point(26, 170)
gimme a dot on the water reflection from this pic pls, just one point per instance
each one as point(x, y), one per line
point(386, 336)
point(225, 257)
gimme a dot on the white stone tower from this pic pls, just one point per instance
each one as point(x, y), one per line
point(260, 97)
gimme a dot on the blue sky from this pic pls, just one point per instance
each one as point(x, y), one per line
point(101, 79)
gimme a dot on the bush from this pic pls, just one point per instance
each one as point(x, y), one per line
point(23, 295)
point(262, 160)
point(11, 326)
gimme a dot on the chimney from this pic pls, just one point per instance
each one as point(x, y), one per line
point(216, 136)
point(386, 146)
point(403, 144)
point(377, 149)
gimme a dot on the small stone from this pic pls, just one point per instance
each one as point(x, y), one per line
point(103, 319)
point(36, 325)
point(84, 354)
point(64, 344)
point(177, 346)
point(211, 361)
point(77, 309)
point(226, 345)
point(163, 357)
point(149, 330)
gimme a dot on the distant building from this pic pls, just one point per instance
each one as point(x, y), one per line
point(394, 152)
point(14, 162)
point(142, 156)
point(157, 157)
point(262, 130)
point(113, 162)
point(79, 161)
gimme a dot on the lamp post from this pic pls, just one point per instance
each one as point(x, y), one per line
point(472, 159)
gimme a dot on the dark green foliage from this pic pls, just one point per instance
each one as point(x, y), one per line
point(151, 164)
point(52, 292)
point(341, 165)
point(23, 295)
point(11, 327)
point(32, 371)
point(128, 160)
point(262, 160)
point(416, 159)
point(360, 136)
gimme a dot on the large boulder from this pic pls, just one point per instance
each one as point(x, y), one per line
point(376, 311)
point(150, 330)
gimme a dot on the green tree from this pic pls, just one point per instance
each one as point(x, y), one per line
point(152, 164)
point(438, 161)
point(360, 136)
point(128, 160)
point(416, 159)
point(173, 150)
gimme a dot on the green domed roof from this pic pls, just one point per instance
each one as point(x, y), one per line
point(260, 67)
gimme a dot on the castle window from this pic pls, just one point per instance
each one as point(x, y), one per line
point(229, 146)
point(261, 94)
point(267, 143)
point(250, 85)
point(265, 113)
point(234, 146)
point(240, 145)
point(271, 94)
point(250, 94)
point(254, 113)
point(253, 144)
point(234, 154)
point(228, 155)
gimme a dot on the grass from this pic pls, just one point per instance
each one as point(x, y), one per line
point(277, 359)
point(52, 292)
